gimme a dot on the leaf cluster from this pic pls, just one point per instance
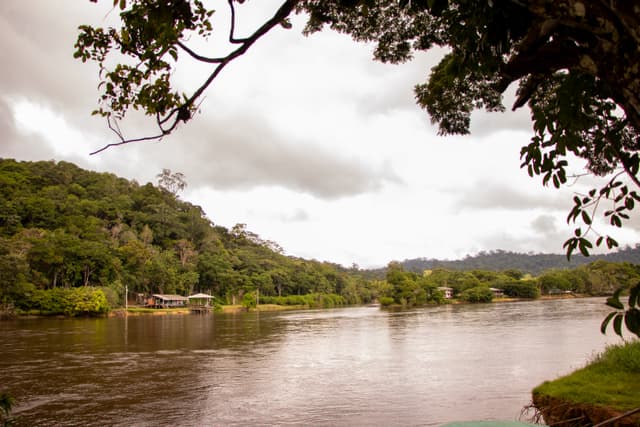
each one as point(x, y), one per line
point(630, 316)
point(569, 63)
point(148, 42)
point(575, 65)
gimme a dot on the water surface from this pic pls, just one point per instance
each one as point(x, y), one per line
point(352, 366)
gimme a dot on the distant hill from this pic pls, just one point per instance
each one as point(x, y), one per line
point(500, 260)
point(65, 227)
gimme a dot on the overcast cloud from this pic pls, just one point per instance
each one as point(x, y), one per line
point(305, 139)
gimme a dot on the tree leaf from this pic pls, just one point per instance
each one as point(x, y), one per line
point(632, 321)
point(617, 324)
point(615, 303)
point(605, 322)
point(633, 295)
point(584, 246)
point(628, 202)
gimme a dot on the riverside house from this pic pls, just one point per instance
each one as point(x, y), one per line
point(166, 301)
point(497, 293)
point(446, 291)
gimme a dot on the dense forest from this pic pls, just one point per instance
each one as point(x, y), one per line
point(72, 240)
point(499, 260)
point(64, 228)
point(409, 288)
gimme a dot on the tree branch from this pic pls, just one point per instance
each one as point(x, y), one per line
point(183, 112)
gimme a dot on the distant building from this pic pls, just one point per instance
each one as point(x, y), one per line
point(497, 293)
point(446, 291)
point(166, 301)
point(204, 300)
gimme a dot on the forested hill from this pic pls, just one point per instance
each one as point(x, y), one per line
point(62, 226)
point(503, 260)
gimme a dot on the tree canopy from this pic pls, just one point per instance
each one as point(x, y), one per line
point(64, 230)
point(575, 64)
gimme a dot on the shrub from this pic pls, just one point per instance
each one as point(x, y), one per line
point(249, 300)
point(524, 289)
point(477, 294)
point(86, 301)
point(385, 301)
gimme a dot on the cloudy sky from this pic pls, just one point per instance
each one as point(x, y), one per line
point(305, 139)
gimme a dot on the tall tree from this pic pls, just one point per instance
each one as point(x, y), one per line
point(173, 182)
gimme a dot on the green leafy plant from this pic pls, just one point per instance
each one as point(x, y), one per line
point(6, 404)
point(630, 316)
point(478, 294)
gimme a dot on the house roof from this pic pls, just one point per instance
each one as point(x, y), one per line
point(165, 297)
point(201, 296)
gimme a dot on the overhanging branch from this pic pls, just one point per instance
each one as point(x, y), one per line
point(184, 112)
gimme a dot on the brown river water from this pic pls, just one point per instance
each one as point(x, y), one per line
point(358, 366)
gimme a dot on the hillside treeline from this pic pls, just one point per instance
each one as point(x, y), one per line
point(409, 288)
point(65, 227)
point(499, 260)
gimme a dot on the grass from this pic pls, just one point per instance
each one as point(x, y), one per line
point(612, 380)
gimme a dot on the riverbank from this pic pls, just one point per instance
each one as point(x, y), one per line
point(607, 388)
point(142, 311)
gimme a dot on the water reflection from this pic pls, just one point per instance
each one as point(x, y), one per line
point(355, 366)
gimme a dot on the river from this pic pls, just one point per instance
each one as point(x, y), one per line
point(347, 367)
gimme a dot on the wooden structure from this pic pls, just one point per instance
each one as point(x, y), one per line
point(497, 293)
point(166, 301)
point(200, 303)
point(447, 292)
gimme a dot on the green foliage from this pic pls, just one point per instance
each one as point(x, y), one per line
point(630, 317)
point(309, 300)
point(523, 289)
point(386, 301)
point(65, 227)
point(513, 264)
point(249, 300)
point(83, 301)
point(7, 402)
point(479, 294)
point(612, 380)
point(408, 289)
point(149, 36)
point(597, 278)
point(573, 66)
point(625, 357)
point(573, 84)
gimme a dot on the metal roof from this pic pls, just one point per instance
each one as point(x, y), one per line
point(201, 296)
point(166, 297)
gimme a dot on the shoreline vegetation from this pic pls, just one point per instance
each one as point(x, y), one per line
point(9, 313)
point(606, 389)
point(76, 243)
